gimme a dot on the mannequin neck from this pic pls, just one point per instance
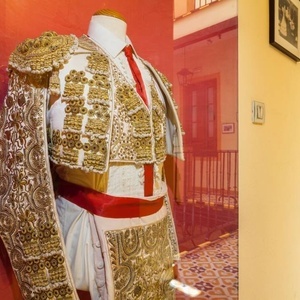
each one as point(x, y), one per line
point(115, 26)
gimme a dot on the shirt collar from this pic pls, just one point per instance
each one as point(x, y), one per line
point(111, 44)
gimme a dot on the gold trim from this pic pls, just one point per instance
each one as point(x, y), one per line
point(29, 225)
point(112, 120)
point(44, 53)
point(141, 261)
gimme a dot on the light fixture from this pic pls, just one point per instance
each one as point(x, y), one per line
point(184, 75)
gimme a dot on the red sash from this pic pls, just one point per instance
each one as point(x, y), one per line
point(108, 206)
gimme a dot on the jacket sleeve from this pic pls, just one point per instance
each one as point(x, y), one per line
point(29, 225)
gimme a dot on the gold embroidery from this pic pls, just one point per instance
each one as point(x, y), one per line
point(134, 254)
point(69, 157)
point(128, 97)
point(54, 83)
point(65, 145)
point(138, 133)
point(98, 63)
point(75, 83)
point(99, 90)
point(94, 161)
point(90, 140)
point(42, 54)
point(73, 122)
point(166, 83)
point(135, 134)
point(86, 43)
point(29, 227)
point(159, 125)
point(98, 126)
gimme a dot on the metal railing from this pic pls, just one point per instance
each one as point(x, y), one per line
point(194, 6)
point(199, 4)
point(209, 206)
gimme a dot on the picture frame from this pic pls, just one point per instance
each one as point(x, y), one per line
point(284, 27)
point(227, 128)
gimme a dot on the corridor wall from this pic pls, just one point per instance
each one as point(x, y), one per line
point(269, 242)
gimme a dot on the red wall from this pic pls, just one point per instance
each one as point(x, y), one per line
point(150, 24)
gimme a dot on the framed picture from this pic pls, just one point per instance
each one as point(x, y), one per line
point(284, 26)
point(228, 128)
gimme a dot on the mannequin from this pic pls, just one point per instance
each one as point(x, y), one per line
point(109, 20)
point(119, 242)
point(109, 32)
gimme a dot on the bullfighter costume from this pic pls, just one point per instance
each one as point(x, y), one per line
point(84, 201)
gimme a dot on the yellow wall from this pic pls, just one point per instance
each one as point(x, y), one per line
point(269, 242)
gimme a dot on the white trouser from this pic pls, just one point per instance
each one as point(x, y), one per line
point(84, 236)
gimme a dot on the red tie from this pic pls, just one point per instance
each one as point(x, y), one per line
point(140, 88)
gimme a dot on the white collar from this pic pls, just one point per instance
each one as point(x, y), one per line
point(111, 44)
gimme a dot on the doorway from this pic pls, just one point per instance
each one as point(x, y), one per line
point(207, 182)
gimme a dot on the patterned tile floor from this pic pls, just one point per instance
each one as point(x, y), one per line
point(212, 268)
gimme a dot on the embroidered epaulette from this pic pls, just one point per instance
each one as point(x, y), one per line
point(44, 53)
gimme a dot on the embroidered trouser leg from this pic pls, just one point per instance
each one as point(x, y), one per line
point(138, 256)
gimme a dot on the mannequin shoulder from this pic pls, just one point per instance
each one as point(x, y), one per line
point(44, 53)
point(160, 76)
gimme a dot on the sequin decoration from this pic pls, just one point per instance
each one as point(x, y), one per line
point(98, 63)
point(43, 54)
point(111, 119)
point(141, 262)
point(29, 226)
point(139, 133)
